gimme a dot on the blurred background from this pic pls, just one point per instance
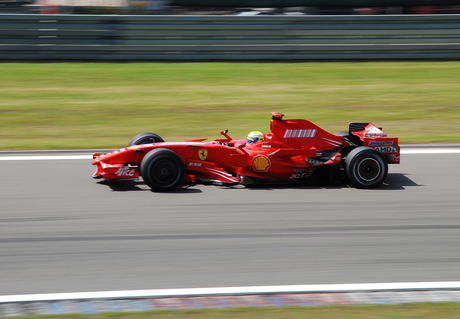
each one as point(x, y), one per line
point(248, 7)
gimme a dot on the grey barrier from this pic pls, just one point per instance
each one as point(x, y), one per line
point(228, 38)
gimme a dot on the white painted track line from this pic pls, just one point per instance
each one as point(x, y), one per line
point(162, 293)
point(46, 157)
point(404, 151)
point(410, 151)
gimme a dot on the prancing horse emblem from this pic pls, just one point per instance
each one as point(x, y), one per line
point(203, 154)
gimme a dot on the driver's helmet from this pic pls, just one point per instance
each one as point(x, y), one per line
point(255, 137)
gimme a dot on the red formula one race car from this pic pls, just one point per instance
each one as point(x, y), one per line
point(293, 151)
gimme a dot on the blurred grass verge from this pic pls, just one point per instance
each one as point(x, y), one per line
point(103, 105)
point(405, 311)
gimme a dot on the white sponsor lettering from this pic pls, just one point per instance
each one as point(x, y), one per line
point(302, 173)
point(125, 171)
point(381, 143)
point(387, 149)
point(314, 162)
point(194, 164)
point(297, 176)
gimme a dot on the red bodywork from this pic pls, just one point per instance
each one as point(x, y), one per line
point(292, 151)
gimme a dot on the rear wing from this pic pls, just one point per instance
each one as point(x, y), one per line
point(369, 135)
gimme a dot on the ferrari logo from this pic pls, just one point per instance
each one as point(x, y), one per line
point(203, 154)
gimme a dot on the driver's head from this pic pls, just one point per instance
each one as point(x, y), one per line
point(254, 137)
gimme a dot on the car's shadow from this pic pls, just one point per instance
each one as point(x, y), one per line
point(398, 181)
point(394, 181)
point(139, 185)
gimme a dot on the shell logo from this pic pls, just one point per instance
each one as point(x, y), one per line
point(261, 163)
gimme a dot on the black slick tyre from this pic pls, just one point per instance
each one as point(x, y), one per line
point(162, 169)
point(145, 138)
point(366, 167)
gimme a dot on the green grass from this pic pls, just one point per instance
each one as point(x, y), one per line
point(407, 311)
point(103, 105)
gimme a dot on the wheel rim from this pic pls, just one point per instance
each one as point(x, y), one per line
point(164, 172)
point(368, 169)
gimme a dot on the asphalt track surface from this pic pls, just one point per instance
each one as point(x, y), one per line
point(62, 231)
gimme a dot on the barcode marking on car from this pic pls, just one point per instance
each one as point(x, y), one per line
point(299, 133)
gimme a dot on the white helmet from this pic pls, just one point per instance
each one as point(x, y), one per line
point(255, 137)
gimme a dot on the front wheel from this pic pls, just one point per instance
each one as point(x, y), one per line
point(162, 169)
point(144, 138)
point(366, 167)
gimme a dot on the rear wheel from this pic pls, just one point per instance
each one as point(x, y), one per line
point(365, 167)
point(144, 138)
point(162, 169)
